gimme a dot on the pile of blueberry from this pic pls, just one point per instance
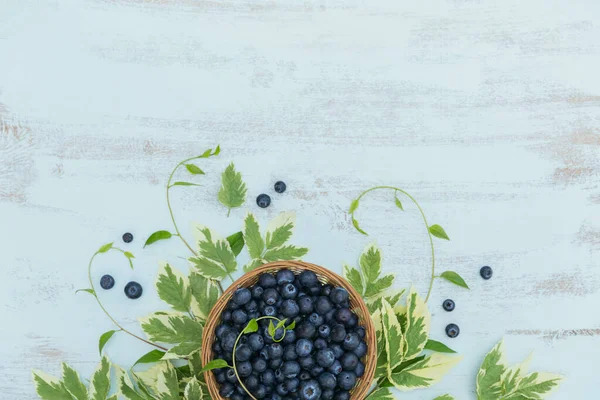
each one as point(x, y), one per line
point(320, 358)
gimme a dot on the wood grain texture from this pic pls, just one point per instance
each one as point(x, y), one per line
point(488, 112)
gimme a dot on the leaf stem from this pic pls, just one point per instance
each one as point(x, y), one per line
point(396, 189)
point(108, 314)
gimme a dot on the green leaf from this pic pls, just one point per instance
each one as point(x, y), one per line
point(252, 326)
point(100, 383)
point(253, 265)
point(455, 278)
point(158, 235)
point(382, 360)
point(353, 206)
point(90, 291)
point(105, 248)
point(126, 387)
point(536, 386)
point(280, 230)
point(440, 347)
point(208, 269)
point(49, 388)
point(271, 329)
point(128, 254)
point(353, 276)
point(180, 183)
point(73, 383)
point(150, 357)
point(444, 397)
point(193, 390)
point(398, 203)
point(219, 252)
point(194, 169)
point(233, 190)
point(490, 374)
point(252, 237)
point(438, 232)
point(357, 227)
point(167, 385)
point(217, 151)
point(236, 241)
point(291, 326)
point(214, 364)
point(288, 252)
point(176, 329)
point(377, 287)
point(418, 321)
point(381, 394)
point(104, 338)
point(394, 339)
point(370, 264)
point(205, 294)
point(173, 288)
point(424, 373)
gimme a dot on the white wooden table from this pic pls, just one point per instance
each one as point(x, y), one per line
point(487, 111)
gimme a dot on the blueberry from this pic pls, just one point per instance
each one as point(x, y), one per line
point(227, 389)
point(320, 343)
point(309, 279)
point(306, 305)
point(351, 341)
point(290, 309)
point(279, 376)
point(448, 305)
point(270, 296)
point(305, 330)
point(323, 305)
point(267, 377)
point(280, 186)
point(260, 392)
point(107, 282)
point(306, 362)
point(338, 333)
point(228, 340)
point(326, 290)
point(310, 390)
point(346, 380)
point(270, 311)
point(216, 347)
point(304, 347)
point(281, 389)
point(360, 331)
point(284, 276)
point(327, 380)
point(252, 382)
point(316, 319)
point(343, 316)
point(290, 337)
point(361, 350)
point(452, 330)
point(316, 371)
point(360, 369)
point(335, 368)
point(486, 272)
point(290, 369)
point(251, 306)
point(226, 316)
point(327, 394)
point(220, 377)
point(324, 331)
point(342, 395)
point(257, 292)
point(243, 353)
point(259, 365)
point(339, 295)
point(221, 329)
point(349, 361)
point(325, 358)
point(127, 237)
point(263, 200)
point(244, 368)
point(256, 341)
point(304, 375)
point(242, 296)
point(289, 291)
point(267, 281)
point(230, 376)
point(239, 317)
point(330, 316)
point(275, 350)
point(353, 321)
point(133, 290)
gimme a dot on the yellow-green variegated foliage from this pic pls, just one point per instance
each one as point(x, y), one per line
point(404, 331)
point(497, 381)
point(71, 387)
point(215, 259)
point(273, 246)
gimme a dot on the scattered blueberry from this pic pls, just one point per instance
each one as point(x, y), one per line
point(263, 200)
point(448, 305)
point(107, 282)
point(280, 186)
point(452, 330)
point(127, 237)
point(133, 290)
point(486, 272)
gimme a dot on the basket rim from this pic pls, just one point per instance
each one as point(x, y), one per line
point(364, 383)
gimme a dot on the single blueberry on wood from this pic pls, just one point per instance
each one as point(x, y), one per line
point(452, 330)
point(280, 186)
point(486, 272)
point(133, 290)
point(127, 237)
point(263, 200)
point(107, 282)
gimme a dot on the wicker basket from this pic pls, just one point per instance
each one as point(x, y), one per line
point(325, 276)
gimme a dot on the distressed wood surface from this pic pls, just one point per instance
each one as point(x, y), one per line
point(488, 112)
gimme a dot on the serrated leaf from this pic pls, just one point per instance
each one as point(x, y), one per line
point(382, 361)
point(377, 287)
point(233, 189)
point(156, 236)
point(536, 386)
point(126, 387)
point(490, 374)
point(150, 357)
point(252, 237)
point(381, 393)
point(182, 331)
point(354, 278)
point(370, 263)
point(173, 288)
point(104, 338)
point(280, 230)
point(357, 226)
point(252, 326)
point(205, 294)
point(424, 373)
point(181, 183)
point(194, 169)
point(218, 251)
point(444, 397)
point(418, 320)
point(455, 278)
point(105, 248)
point(252, 265)
point(49, 388)
point(438, 232)
point(394, 338)
point(208, 269)
point(73, 384)
point(214, 364)
point(353, 206)
point(90, 291)
point(440, 347)
point(167, 385)
point(193, 390)
point(288, 252)
point(100, 382)
point(236, 242)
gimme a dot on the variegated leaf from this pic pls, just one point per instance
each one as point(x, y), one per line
point(148, 379)
point(382, 393)
point(536, 386)
point(180, 330)
point(394, 339)
point(100, 383)
point(205, 294)
point(173, 288)
point(49, 388)
point(418, 320)
point(370, 263)
point(381, 369)
point(423, 373)
point(353, 276)
point(444, 397)
point(193, 391)
point(167, 384)
point(126, 387)
point(280, 229)
point(287, 252)
point(73, 383)
point(252, 237)
point(490, 374)
point(216, 250)
point(253, 264)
